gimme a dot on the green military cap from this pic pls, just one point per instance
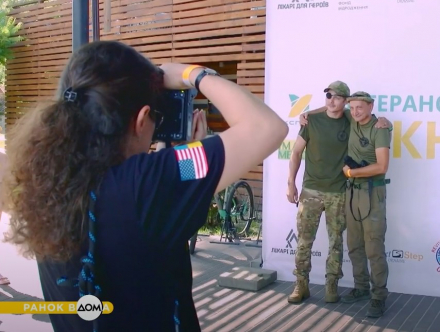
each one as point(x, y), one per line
point(361, 95)
point(340, 88)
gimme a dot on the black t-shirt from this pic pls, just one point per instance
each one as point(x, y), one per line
point(147, 209)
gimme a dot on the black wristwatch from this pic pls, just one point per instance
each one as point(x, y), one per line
point(203, 73)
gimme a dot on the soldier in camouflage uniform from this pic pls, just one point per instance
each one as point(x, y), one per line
point(325, 133)
point(325, 139)
point(366, 205)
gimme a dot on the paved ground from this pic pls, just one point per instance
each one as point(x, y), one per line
point(25, 286)
point(221, 309)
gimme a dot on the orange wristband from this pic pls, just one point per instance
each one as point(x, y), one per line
point(187, 72)
point(349, 173)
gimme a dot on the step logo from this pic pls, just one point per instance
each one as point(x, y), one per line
point(403, 256)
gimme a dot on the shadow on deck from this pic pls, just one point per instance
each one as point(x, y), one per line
point(222, 309)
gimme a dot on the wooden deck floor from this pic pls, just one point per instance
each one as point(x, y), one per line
point(222, 309)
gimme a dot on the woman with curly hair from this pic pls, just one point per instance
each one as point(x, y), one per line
point(103, 216)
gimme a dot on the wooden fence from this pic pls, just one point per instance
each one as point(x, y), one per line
point(228, 35)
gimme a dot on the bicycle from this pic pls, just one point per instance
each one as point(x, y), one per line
point(235, 213)
point(239, 210)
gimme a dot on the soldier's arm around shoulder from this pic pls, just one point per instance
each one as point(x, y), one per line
point(303, 118)
point(318, 110)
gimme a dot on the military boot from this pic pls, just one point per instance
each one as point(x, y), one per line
point(377, 308)
point(300, 293)
point(356, 295)
point(331, 291)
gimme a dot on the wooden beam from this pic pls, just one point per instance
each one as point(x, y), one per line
point(107, 16)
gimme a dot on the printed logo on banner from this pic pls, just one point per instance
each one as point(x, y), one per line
point(407, 103)
point(436, 251)
point(286, 148)
point(303, 4)
point(397, 256)
point(290, 238)
point(298, 105)
point(404, 138)
point(401, 256)
point(352, 5)
point(288, 248)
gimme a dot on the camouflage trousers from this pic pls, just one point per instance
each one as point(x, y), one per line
point(311, 205)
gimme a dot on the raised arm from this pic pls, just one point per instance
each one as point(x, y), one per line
point(255, 132)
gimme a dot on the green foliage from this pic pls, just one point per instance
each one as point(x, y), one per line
point(2, 74)
point(8, 36)
point(8, 32)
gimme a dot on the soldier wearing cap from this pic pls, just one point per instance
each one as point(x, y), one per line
point(369, 148)
point(326, 139)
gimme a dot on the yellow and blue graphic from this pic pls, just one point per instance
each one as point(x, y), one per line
point(299, 105)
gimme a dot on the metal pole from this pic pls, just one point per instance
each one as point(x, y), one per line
point(80, 23)
point(95, 22)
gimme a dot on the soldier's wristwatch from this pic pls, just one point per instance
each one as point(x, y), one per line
point(203, 73)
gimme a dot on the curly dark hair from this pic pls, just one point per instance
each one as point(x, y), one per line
point(59, 153)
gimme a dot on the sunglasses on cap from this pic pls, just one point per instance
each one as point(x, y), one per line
point(328, 95)
point(358, 95)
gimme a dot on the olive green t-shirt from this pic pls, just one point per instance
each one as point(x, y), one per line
point(373, 138)
point(327, 141)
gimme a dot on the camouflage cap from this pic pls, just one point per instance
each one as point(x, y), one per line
point(340, 88)
point(361, 95)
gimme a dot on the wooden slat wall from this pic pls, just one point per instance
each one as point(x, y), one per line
point(32, 75)
point(188, 31)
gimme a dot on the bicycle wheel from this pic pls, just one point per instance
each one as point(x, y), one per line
point(240, 207)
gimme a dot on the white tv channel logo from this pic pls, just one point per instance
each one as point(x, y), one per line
point(89, 307)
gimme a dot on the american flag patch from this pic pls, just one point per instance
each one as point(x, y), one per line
point(192, 161)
